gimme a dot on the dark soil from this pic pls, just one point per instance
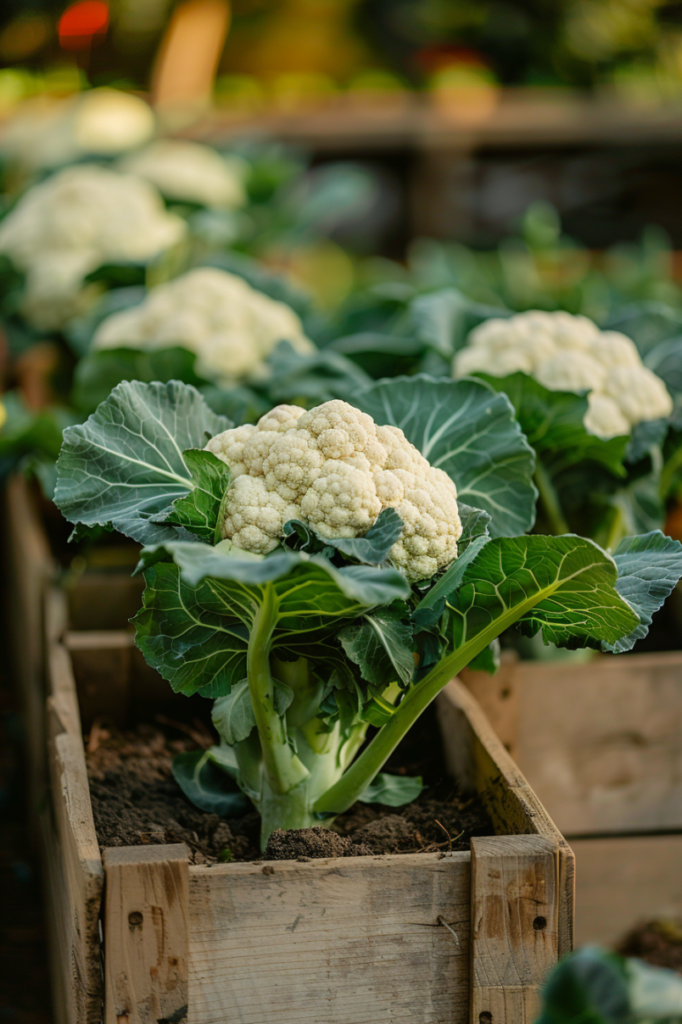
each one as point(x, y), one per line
point(136, 800)
point(657, 942)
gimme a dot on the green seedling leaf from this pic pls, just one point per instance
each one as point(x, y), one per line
point(207, 785)
point(380, 645)
point(199, 512)
point(124, 465)
point(233, 715)
point(649, 568)
point(466, 429)
point(392, 790)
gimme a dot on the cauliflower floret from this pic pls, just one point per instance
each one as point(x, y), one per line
point(604, 418)
point(230, 326)
point(334, 468)
point(571, 371)
point(74, 221)
point(640, 394)
point(190, 172)
point(570, 353)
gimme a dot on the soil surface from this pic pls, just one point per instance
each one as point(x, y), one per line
point(136, 800)
point(657, 942)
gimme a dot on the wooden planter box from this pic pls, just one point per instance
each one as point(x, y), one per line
point(601, 745)
point(140, 936)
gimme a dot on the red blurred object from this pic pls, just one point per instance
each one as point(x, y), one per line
point(82, 24)
point(434, 58)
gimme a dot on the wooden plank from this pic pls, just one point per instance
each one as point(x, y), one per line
point(498, 697)
point(146, 929)
point(601, 746)
point(515, 900)
point(623, 881)
point(72, 865)
point(102, 667)
point(331, 941)
point(104, 600)
point(30, 567)
point(475, 755)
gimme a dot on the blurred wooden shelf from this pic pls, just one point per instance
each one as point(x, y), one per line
point(510, 117)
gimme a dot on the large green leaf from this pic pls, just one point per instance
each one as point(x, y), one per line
point(380, 644)
point(313, 377)
point(649, 568)
point(197, 612)
point(553, 423)
point(392, 790)
point(466, 429)
point(441, 320)
point(124, 465)
point(564, 586)
point(647, 323)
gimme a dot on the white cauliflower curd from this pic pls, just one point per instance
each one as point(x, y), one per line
point(229, 325)
point(570, 353)
point(46, 133)
point(190, 172)
point(76, 220)
point(335, 469)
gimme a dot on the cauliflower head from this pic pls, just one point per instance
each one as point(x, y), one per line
point(335, 469)
point(70, 224)
point(570, 353)
point(190, 172)
point(229, 325)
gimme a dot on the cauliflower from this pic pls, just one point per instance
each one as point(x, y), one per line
point(190, 172)
point(570, 353)
point(232, 327)
point(70, 224)
point(335, 469)
point(103, 122)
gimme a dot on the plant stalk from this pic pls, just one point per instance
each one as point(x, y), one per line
point(550, 501)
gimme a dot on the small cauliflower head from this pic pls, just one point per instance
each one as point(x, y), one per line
point(67, 226)
point(190, 172)
point(570, 353)
point(335, 469)
point(230, 326)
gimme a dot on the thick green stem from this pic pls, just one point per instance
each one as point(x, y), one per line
point(346, 791)
point(550, 501)
point(283, 768)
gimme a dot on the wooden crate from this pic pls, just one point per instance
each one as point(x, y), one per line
point(601, 744)
point(424, 938)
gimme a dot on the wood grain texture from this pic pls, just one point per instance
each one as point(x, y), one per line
point(146, 928)
point(105, 600)
point(102, 667)
point(515, 898)
point(498, 697)
point(601, 746)
point(476, 756)
point(343, 941)
point(623, 881)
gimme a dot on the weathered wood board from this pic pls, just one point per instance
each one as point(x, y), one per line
point(367, 940)
point(601, 744)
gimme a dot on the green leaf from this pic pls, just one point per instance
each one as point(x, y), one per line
point(645, 436)
point(98, 372)
point(233, 715)
point(649, 568)
point(79, 332)
point(376, 544)
point(208, 786)
point(591, 987)
point(381, 646)
point(199, 512)
point(655, 994)
point(665, 360)
point(124, 465)
point(188, 635)
point(442, 320)
point(197, 613)
point(475, 525)
point(312, 377)
point(392, 790)
point(553, 423)
point(647, 323)
point(465, 429)
point(488, 660)
point(564, 586)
